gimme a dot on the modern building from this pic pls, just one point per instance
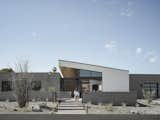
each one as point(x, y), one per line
point(87, 77)
point(95, 83)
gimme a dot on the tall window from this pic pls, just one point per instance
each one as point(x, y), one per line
point(36, 85)
point(6, 86)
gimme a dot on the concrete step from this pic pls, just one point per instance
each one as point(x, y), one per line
point(71, 112)
point(74, 105)
point(71, 108)
point(71, 105)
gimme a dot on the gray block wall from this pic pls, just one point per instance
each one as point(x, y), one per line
point(47, 80)
point(116, 98)
point(136, 82)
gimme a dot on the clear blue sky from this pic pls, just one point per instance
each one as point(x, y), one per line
point(123, 34)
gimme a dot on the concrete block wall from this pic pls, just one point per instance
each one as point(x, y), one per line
point(116, 98)
point(136, 82)
point(47, 80)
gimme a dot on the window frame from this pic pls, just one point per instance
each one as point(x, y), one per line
point(6, 85)
point(36, 85)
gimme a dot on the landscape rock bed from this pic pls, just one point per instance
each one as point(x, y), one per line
point(50, 107)
point(31, 107)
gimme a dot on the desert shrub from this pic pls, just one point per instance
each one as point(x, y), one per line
point(123, 104)
point(52, 90)
point(100, 104)
point(22, 82)
point(148, 95)
point(109, 107)
point(22, 92)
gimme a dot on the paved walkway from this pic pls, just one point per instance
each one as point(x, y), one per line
point(71, 107)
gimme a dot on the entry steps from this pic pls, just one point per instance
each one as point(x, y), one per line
point(71, 106)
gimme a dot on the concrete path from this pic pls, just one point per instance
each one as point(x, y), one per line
point(71, 107)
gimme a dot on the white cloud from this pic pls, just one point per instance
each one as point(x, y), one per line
point(127, 12)
point(153, 59)
point(34, 34)
point(138, 51)
point(111, 45)
point(152, 56)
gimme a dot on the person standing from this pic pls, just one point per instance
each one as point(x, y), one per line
point(76, 94)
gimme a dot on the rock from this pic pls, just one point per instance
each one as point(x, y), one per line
point(137, 105)
point(36, 108)
point(134, 111)
point(15, 109)
point(44, 107)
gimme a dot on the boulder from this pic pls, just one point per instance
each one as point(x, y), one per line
point(36, 108)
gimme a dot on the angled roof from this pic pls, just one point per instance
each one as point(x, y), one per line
point(61, 64)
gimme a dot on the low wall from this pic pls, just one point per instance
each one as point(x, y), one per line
point(116, 98)
point(41, 116)
point(64, 94)
point(37, 95)
point(41, 95)
point(10, 95)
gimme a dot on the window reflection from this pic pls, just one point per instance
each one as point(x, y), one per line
point(88, 73)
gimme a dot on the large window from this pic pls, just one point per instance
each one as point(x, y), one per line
point(36, 85)
point(6, 86)
point(88, 73)
point(151, 87)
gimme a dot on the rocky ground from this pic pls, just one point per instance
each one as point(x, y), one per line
point(151, 108)
point(31, 107)
point(50, 107)
point(124, 110)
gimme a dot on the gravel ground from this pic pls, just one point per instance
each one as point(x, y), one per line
point(13, 106)
point(154, 108)
point(124, 110)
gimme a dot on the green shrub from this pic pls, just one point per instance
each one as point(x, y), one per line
point(6, 70)
point(109, 107)
point(148, 95)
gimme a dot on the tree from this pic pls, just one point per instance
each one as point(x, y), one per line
point(22, 82)
point(52, 90)
point(54, 69)
point(6, 70)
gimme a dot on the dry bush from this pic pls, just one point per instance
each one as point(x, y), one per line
point(22, 82)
